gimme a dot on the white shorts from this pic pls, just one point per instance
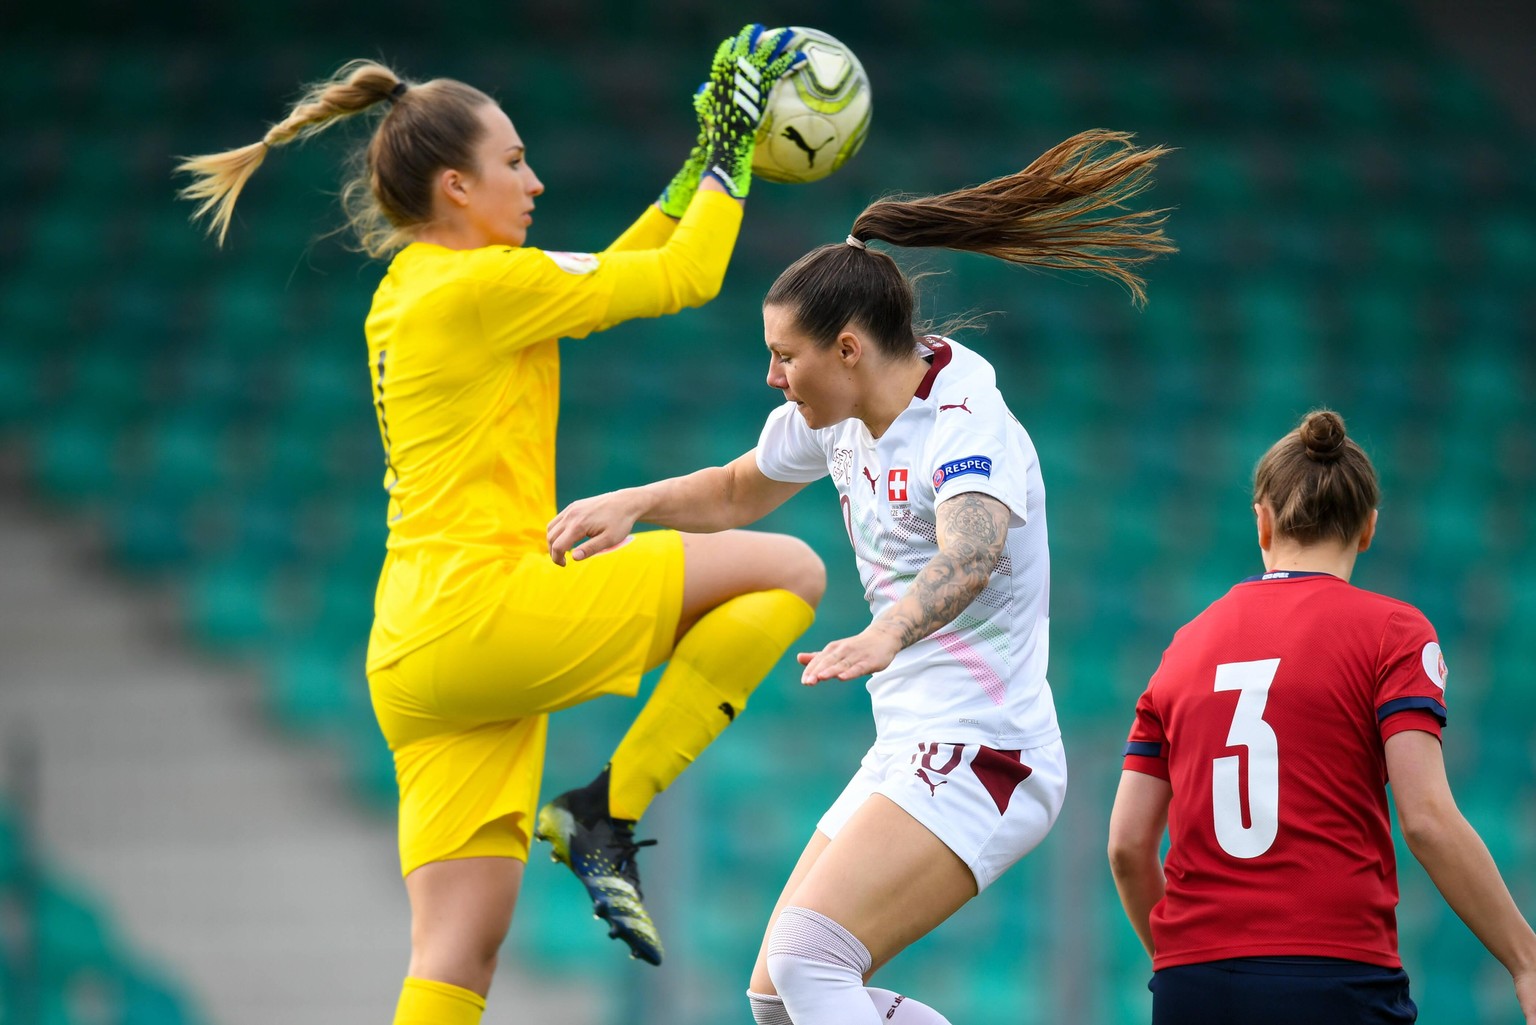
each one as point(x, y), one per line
point(990, 807)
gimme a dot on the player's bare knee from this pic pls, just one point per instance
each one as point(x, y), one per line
point(801, 570)
point(459, 958)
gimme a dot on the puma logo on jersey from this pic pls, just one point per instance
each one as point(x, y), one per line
point(957, 405)
point(933, 788)
point(799, 140)
point(871, 478)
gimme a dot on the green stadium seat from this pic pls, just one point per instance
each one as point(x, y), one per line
point(73, 454)
point(1442, 992)
point(1522, 595)
point(13, 849)
point(343, 601)
point(54, 1008)
point(178, 248)
point(36, 316)
point(230, 606)
point(15, 1004)
point(147, 321)
point(371, 768)
point(89, 177)
point(264, 527)
point(113, 381)
point(211, 382)
point(21, 398)
point(147, 532)
point(147, 999)
point(1285, 29)
point(355, 533)
point(568, 941)
point(183, 454)
point(1316, 250)
point(1037, 98)
point(1138, 100)
point(1491, 314)
point(1384, 321)
point(1330, 180)
point(1283, 334)
point(332, 384)
point(64, 238)
point(1460, 103)
point(1353, 96)
point(314, 685)
point(246, 313)
point(1407, 246)
point(1202, 244)
point(1489, 810)
point(1509, 240)
point(72, 934)
point(1221, 177)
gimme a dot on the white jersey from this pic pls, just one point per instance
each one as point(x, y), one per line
point(980, 678)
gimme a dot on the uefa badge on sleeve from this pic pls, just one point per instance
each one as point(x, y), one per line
point(574, 263)
point(979, 465)
point(1434, 664)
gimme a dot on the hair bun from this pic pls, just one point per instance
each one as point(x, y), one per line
point(1322, 434)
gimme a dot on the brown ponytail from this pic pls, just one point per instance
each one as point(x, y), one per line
point(1053, 214)
point(1318, 482)
point(427, 127)
point(1039, 216)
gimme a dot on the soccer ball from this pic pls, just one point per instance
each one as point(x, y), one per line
point(816, 116)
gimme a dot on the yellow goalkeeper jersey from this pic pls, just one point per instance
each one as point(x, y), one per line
point(466, 382)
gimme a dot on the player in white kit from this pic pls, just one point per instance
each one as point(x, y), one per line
point(941, 491)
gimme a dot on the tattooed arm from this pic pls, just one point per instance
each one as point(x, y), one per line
point(972, 528)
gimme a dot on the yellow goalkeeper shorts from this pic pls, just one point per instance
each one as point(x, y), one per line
point(467, 714)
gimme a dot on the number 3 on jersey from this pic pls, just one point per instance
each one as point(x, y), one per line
point(1251, 680)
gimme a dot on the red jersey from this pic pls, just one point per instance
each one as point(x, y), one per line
point(1268, 716)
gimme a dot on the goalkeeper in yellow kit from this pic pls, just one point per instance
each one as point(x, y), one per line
point(477, 634)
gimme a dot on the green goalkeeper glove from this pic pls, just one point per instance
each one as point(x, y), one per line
point(674, 199)
point(745, 69)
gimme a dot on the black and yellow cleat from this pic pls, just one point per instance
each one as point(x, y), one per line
point(601, 851)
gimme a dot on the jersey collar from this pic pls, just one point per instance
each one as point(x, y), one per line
point(1286, 574)
point(941, 355)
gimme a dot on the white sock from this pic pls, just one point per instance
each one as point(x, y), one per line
point(818, 968)
point(896, 1009)
point(768, 1009)
point(893, 1008)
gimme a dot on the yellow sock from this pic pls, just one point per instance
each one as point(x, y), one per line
point(429, 1002)
point(715, 667)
